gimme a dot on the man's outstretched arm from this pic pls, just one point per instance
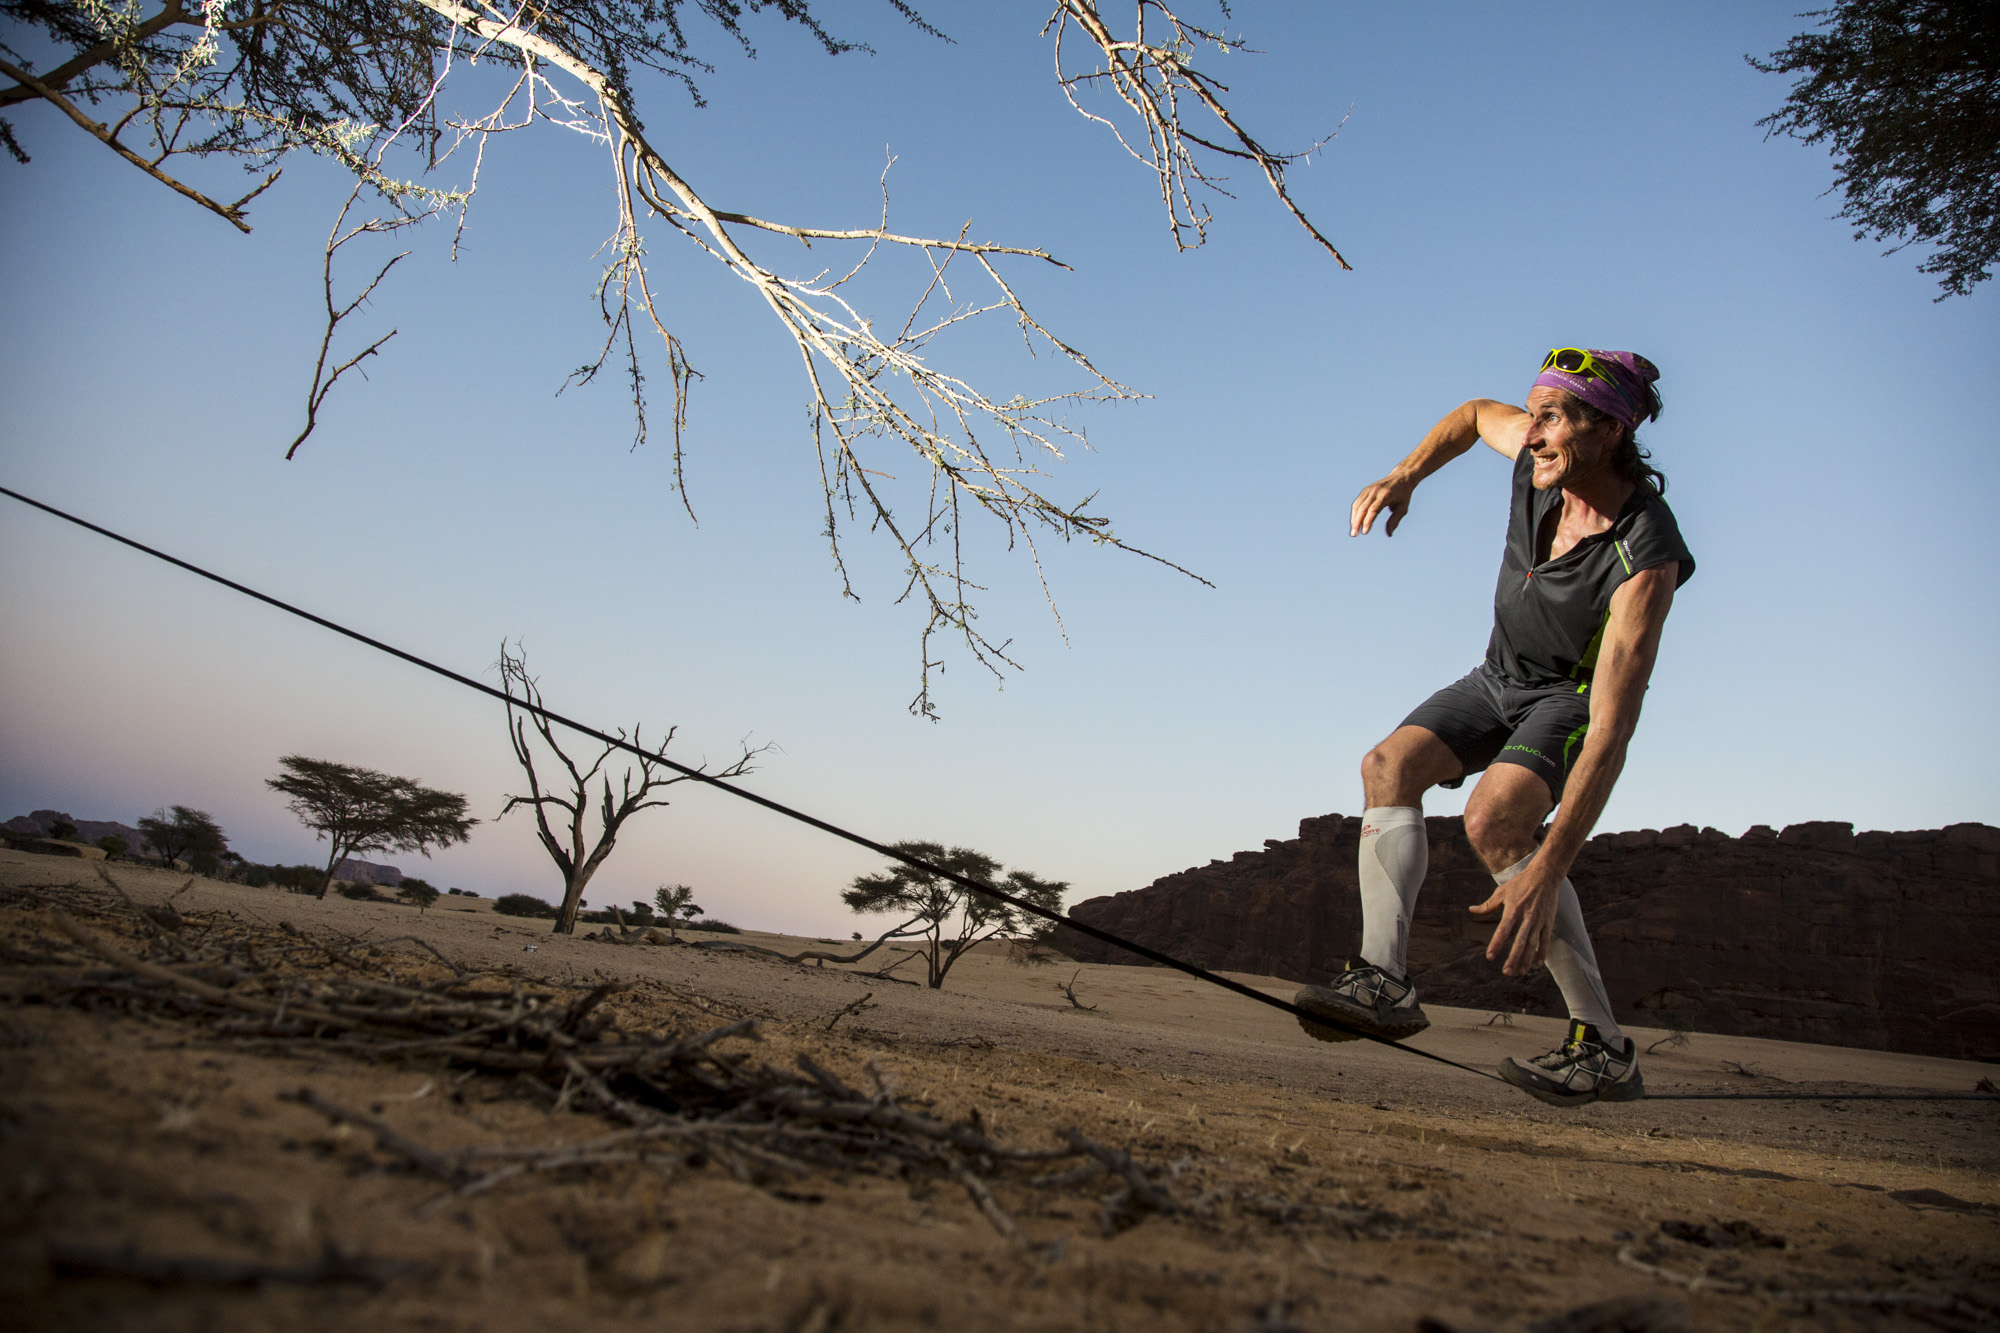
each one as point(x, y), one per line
point(1501, 425)
point(1618, 688)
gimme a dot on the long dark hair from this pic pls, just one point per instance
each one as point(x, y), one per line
point(1633, 460)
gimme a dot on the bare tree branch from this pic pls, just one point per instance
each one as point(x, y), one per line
point(1151, 78)
point(232, 213)
point(350, 82)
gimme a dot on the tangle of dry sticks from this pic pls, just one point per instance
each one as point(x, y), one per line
point(669, 1095)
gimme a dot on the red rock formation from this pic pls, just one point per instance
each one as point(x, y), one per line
point(1882, 940)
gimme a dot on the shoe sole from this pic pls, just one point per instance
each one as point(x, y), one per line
point(1625, 1090)
point(1363, 1020)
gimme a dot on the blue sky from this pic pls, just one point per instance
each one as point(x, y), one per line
point(1500, 187)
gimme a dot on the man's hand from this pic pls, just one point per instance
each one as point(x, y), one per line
point(1502, 426)
point(1527, 907)
point(1391, 493)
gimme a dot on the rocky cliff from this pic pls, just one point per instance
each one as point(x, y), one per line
point(87, 830)
point(1882, 940)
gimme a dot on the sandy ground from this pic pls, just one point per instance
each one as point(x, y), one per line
point(1326, 1186)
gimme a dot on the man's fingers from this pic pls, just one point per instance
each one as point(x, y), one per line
point(1504, 931)
point(1531, 947)
point(1395, 518)
point(1367, 507)
point(1521, 958)
point(1494, 902)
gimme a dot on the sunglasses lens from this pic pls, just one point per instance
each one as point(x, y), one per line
point(1570, 359)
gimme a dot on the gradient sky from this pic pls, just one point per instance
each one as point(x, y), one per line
point(1500, 186)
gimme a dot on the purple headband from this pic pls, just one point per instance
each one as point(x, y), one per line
point(1623, 395)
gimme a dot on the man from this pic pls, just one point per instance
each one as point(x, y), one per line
point(1592, 562)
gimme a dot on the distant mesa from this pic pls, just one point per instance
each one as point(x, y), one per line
point(366, 872)
point(38, 824)
point(1814, 933)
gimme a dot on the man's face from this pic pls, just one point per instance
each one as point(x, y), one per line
point(1566, 448)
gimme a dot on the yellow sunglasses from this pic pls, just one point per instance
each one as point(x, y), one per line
point(1577, 361)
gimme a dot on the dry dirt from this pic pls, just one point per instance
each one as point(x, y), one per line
point(1317, 1186)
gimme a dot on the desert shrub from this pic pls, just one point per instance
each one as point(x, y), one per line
point(297, 879)
point(362, 893)
point(417, 894)
point(523, 904)
point(62, 831)
point(719, 927)
point(113, 846)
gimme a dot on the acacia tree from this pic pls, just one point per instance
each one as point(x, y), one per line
point(947, 917)
point(566, 808)
point(186, 834)
point(386, 87)
point(677, 906)
point(1908, 94)
point(361, 810)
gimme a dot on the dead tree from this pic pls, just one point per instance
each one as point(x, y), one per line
point(564, 809)
point(375, 85)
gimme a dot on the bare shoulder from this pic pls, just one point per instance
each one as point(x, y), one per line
point(1503, 427)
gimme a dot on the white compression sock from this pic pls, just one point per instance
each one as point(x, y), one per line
point(1572, 962)
point(1395, 852)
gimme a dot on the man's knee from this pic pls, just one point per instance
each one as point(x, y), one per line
point(1378, 768)
point(1409, 762)
point(1391, 775)
point(1505, 811)
point(1493, 831)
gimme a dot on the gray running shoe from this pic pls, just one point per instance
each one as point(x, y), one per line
point(1583, 1069)
point(1364, 997)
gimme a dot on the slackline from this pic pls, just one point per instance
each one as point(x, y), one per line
point(789, 812)
point(1034, 909)
point(1822, 1097)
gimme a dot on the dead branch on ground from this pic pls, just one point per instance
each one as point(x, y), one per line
point(677, 1096)
point(1068, 988)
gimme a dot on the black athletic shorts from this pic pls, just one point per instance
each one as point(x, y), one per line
point(1485, 720)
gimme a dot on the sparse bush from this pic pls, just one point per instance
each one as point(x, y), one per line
point(1678, 1027)
point(295, 879)
point(113, 846)
point(523, 904)
point(362, 893)
point(719, 927)
point(417, 894)
point(62, 831)
point(1035, 951)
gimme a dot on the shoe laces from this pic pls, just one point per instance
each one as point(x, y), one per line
point(1576, 1047)
point(1371, 985)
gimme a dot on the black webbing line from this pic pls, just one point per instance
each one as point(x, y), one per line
point(1035, 909)
point(1822, 1097)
